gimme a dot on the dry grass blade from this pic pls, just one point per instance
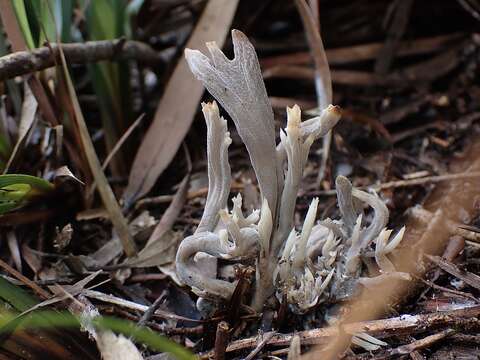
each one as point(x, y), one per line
point(29, 109)
point(115, 149)
point(171, 121)
point(10, 25)
point(14, 34)
point(172, 212)
point(106, 193)
point(12, 242)
point(323, 78)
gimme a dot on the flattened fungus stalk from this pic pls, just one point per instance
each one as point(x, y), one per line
point(324, 259)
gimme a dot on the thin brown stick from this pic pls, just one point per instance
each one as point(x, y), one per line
point(37, 289)
point(412, 182)
point(469, 278)
point(452, 291)
point(260, 346)
point(147, 315)
point(363, 52)
point(416, 355)
point(402, 324)
point(163, 199)
point(221, 340)
point(411, 349)
point(26, 62)
point(422, 343)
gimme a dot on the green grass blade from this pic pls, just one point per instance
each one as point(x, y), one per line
point(21, 13)
point(15, 296)
point(37, 183)
point(17, 190)
point(67, 14)
point(53, 320)
point(105, 20)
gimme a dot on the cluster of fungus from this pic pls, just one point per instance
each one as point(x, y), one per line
point(324, 259)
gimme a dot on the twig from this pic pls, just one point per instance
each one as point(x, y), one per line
point(151, 310)
point(455, 228)
point(37, 289)
point(469, 278)
point(26, 62)
point(163, 199)
point(462, 338)
point(408, 349)
point(412, 182)
point(221, 340)
point(132, 305)
point(368, 51)
point(473, 9)
point(260, 346)
point(416, 355)
point(424, 71)
point(422, 343)
point(452, 291)
point(402, 324)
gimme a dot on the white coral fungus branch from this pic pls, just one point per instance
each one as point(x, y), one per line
point(303, 267)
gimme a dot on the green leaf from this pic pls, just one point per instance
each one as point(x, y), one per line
point(15, 296)
point(105, 21)
point(67, 14)
point(21, 13)
point(17, 190)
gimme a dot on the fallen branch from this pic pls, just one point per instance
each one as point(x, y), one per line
point(26, 62)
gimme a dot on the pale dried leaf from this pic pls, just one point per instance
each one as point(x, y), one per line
point(177, 106)
point(158, 253)
point(172, 212)
point(108, 197)
point(323, 81)
point(64, 173)
point(29, 109)
point(14, 250)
